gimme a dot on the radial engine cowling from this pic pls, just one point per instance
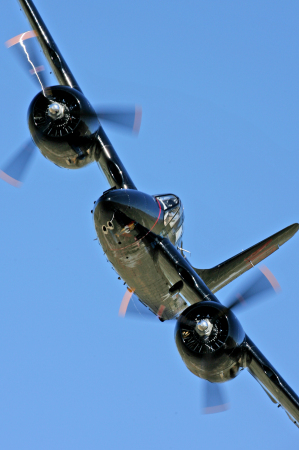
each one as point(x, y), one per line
point(63, 125)
point(209, 343)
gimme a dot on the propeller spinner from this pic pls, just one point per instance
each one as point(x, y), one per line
point(204, 334)
point(58, 116)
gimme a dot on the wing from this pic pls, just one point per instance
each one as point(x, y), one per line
point(274, 385)
point(50, 49)
point(101, 149)
point(222, 274)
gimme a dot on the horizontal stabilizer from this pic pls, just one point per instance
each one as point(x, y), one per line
point(219, 276)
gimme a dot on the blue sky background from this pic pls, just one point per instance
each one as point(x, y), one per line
point(218, 83)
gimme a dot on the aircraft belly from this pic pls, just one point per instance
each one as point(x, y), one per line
point(138, 265)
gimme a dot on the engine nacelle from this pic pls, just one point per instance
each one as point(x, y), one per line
point(63, 125)
point(213, 352)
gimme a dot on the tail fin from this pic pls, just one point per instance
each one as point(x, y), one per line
point(219, 276)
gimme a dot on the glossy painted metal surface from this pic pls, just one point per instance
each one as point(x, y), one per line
point(110, 163)
point(135, 234)
point(47, 43)
point(131, 229)
point(79, 141)
point(68, 140)
point(271, 381)
point(224, 273)
point(217, 357)
point(141, 236)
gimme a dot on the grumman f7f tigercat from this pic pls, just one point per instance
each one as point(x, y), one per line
point(141, 234)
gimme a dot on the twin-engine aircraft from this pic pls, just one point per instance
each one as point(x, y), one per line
point(141, 234)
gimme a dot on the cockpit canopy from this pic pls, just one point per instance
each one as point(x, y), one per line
point(171, 206)
point(168, 201)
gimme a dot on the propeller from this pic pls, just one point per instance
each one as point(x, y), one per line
point(31, 58)
point(128, 118)
point(131, 306)
point(214, 400)
point(263, 282)
point(16, 169)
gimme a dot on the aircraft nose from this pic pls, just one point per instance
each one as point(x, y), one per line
point(111, 202)
point(125, 205)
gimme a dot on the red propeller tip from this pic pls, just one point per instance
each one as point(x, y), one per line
point(21, 37)
point(216, 409)
point(271, 278)
point(10, 180)
point(125, 302)
point(137, 121)
point(37, 69)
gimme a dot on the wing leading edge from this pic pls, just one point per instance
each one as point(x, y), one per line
point(219, 276)
point(50, 49)
point(273, 384)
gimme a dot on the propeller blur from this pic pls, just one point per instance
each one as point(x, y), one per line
point(73, 137)
point(141, 234)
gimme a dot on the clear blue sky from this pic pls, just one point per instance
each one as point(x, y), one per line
point(218, 83)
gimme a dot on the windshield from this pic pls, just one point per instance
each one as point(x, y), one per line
point(171, 206)
point(168, 201)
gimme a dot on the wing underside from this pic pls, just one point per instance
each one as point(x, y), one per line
point(279, 392)
point(50, 49)
point(222, 274)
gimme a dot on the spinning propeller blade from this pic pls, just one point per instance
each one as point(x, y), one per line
point(29, 57)
point(263, 283)
point(132, 307)
point(125, 302)
point(15, 170)
point(128, 118)
point(214, 398)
